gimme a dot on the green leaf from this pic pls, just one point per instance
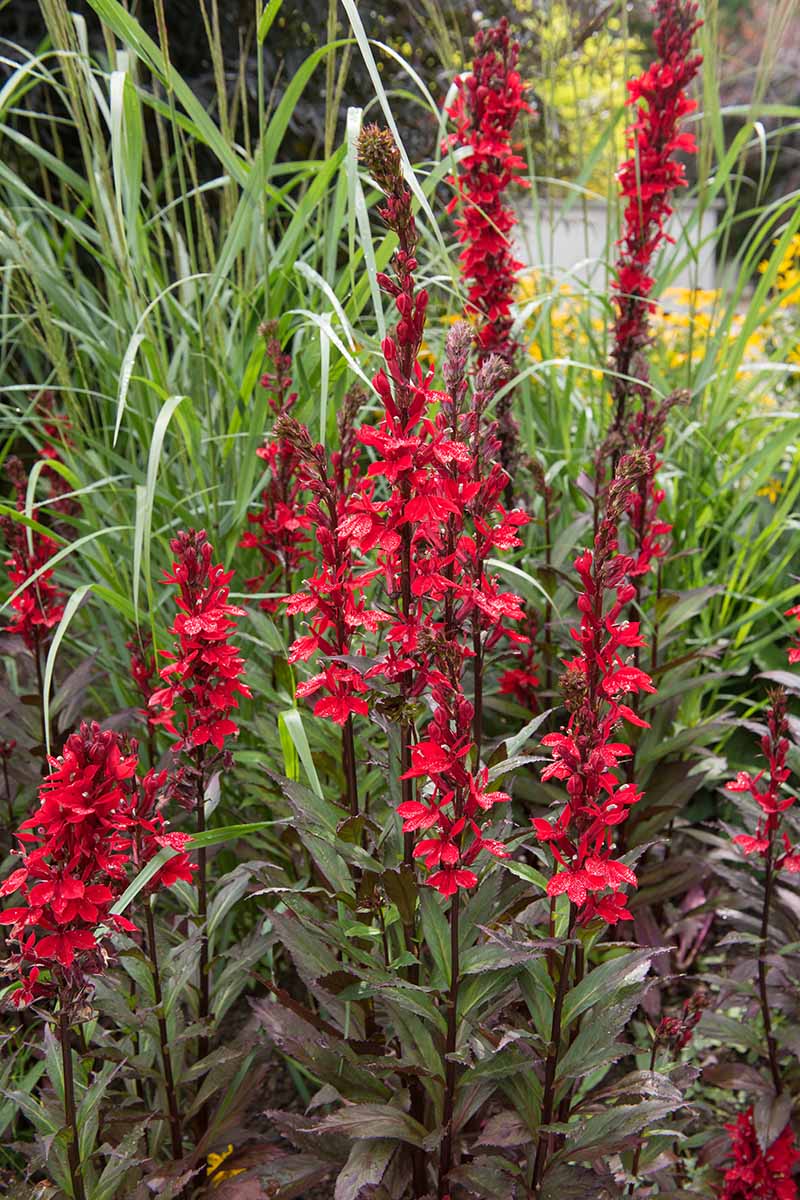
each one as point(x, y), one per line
point(293, 724)
point(371, 1121)
point(271, 10)
point(604, 981)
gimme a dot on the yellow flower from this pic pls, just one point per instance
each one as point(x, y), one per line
point(214, 1162)
point(771, 489)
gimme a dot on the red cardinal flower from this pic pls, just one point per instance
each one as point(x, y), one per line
point(759, 1174)
point(487, 105)
point(204, 678)
point(647, 180)
point(768, 788)
point(585, 754)
point(95, 823)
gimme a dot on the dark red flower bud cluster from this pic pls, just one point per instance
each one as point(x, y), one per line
point(767, 788)
point(96, 820)
point(677, 1032)
point(204, 676)
point(759, 1173)
point(41, 605)
point(586, 753)
point(647, 180)
point(279, 530)
point(487, 105)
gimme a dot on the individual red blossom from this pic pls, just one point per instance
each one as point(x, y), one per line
point(585, 753)
point(94, 823)
point(204, 676)
point(758, 1173)
point(487, 105)
point(279, 530)
point(40, 606)
point(647, 180)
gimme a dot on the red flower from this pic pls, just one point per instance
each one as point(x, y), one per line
point(488, 102)
point(143, 672)
point(204, 677)
point(759, 1174)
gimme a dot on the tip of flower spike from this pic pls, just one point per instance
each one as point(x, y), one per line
point(378, 151)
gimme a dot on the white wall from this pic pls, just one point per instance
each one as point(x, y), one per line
point(579, 243)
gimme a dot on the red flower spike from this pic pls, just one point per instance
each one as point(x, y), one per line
point(95, 825)
point(278, 531)
point(767, 788)
point(204, 679)
point(584, 755)
point(659, 103)
point(487, 105)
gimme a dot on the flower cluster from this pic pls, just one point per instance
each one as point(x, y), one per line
point(333, 597)
point(767, 789)
point(421, 523)
point(437, 520)
point(585, 752)
point(487, 105)
point(758, 1173)
point(452, 800)
point(95, 820)
point(279, 530)
point(647, 180)
point(40, 606)
point(204, 676)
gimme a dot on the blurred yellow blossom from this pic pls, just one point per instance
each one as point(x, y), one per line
point(214, 1162)
point(771, 489)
